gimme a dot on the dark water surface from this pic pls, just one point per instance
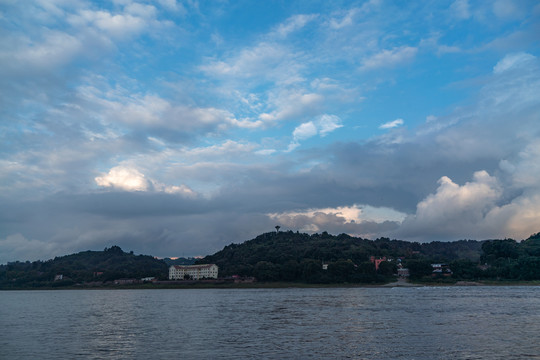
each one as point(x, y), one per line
point(322, 323)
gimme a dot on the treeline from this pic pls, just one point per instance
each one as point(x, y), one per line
point(499, 260)
point(298, 257)
point(289, 256)
point(84, 267)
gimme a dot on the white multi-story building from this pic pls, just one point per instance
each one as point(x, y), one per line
point(194, 272)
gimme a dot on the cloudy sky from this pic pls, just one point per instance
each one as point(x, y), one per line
point(174, 128)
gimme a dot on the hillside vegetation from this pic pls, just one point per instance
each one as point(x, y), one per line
point(87, 266)
point(289, 256)
point(296, 257)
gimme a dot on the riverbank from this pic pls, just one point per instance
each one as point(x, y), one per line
point(477, 283)
point(279, 285)
point(401, 282)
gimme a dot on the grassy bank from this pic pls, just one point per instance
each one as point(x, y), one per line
point(454, 282)
point(279, 285)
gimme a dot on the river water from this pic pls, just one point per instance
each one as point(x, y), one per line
point(315, 323)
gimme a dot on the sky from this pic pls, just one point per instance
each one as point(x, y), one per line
point(174, 128)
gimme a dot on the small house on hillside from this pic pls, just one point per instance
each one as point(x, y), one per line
point(441, 270)
point(377, 261)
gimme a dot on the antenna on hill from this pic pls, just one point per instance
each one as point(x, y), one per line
point(277, 228)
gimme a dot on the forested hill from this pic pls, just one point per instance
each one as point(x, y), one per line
point(296, 257)
point(289, 256)
point(284, 255)
point(87, 266)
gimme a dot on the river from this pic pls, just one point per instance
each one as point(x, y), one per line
point(498, 322)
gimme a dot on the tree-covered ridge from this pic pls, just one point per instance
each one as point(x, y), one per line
point(297, 257)
point(289, 256)
point(87, 266)
point(508, 259)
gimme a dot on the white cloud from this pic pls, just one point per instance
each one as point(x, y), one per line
point(392, 124)
point(354, 213)
point(56, 49)
point(345, 20)
point(451, 200)
point(141, 11)
point(445, 49)
point(228, 148)
point(328, 123)
point(518, 219)
point(265, 152)
point(174, 189)
point(455, 210)
point(292, 146)
point(324, 125)
point(154, 113)
point(172, 5)
point(294, 23)
point(259, 60)
point(293, 104)
point(305, 131)
point(130, 179)
point(477, 209)
point(116, 26)
point(525, 169)
point(507, 9)
point(389, 58)
point(461, 9)
point(512, 61)
point(302, 132)
point(124, 178)
point(357, 220)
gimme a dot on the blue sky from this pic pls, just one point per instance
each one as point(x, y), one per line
point(177, 127)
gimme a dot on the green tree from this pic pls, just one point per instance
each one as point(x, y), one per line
point(496, 249)
point(266, 271)
point(341, 270)
point(290, 271)
point(465, 269)
point(387, 268)
point(311, 270)
point(419, 268)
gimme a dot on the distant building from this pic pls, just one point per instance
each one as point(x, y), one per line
point(241, 279)
point(441, 269)
point(193, 272)
point(125, 281)
point(403, 272)
point(377, 261)
point(58, 277)
point(325, 266)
